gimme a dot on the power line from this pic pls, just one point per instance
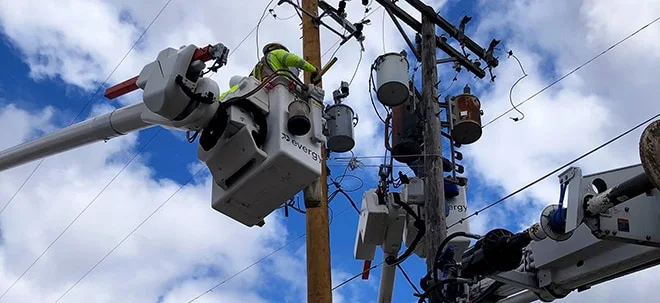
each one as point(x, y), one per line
point(356, 69)
point(244, 39)
point(142, 223)
point(258, 24)
point(248, 267)
point(330, 48)
point(332, 196)
point(80, 213)
point(89, 101)
point(258, 261)
point(131, 233)
point(519, 190)
point(340, 39)
point(238, 46)
point(524, 75)
point(381, 156)
point(574, 70)
point(405, 275)
point(554, 171)
point(160, 206)
point(233, 51)
point(357, 275)
point(111, 180)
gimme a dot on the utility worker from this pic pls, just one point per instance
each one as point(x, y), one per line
point(276, 58)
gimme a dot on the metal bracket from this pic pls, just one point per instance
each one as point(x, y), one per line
point(572, 177)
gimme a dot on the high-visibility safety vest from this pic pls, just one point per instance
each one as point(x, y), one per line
point(278, 60)
point(231, 90)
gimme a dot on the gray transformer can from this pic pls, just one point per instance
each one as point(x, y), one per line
point(392, 79)
point(340, 125)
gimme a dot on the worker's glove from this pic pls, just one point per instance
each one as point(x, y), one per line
point(316, 93)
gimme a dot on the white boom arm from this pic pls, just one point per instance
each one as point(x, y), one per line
point(133, 117)
point(261, 142)
point(116, 123)
point(609, 228)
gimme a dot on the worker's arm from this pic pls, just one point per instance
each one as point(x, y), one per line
point(291, 60)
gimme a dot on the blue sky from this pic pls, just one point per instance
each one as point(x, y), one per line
point(169, 156)
point(38, 72)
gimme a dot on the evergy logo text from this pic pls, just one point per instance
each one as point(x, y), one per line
point(459, 208)
point(313, 154)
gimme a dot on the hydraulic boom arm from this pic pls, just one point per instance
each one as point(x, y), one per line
point(261, 142)
point(607, 229)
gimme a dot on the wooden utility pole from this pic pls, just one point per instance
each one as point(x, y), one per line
point(316, 195)
point(436, 227)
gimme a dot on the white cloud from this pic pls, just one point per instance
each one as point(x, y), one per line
point(587, 108)
point(81, 42)
point(184, 235)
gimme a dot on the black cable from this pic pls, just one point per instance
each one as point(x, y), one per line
point(516, 119)
point(405, 275)
point(438, 285)
point(130, 234)
point(373, 103)
point(296, 9)
point(421, 231)
point(272, 13)
point(111, 180)
point(259, 261)
point(354, 189)
point(294, 207)
point(574, 70)
point(554, 171)
point(448, 87)
point(332, 215)
point(81, 213)
point(345, 171)
point(406, 207)
point(355, 276)
point(350, 200)
point(192, 138)
point(418, 224)
point(330, 48)
point(248, 267)
point(442, 245)
point(89, 101)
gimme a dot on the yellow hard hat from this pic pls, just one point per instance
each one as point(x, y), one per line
point(273, 46)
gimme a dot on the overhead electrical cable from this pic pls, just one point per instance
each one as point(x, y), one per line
point(107, 184)
point(573, 71)
point(259, 260)
point(554, 171)
point(91, 98)
point(79, 214)
point(130, 233)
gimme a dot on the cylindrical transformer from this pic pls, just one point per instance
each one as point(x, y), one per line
point(299, 118)
point(467, 117)
point(406, 145)
point(340, 128)
point(392, 79)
